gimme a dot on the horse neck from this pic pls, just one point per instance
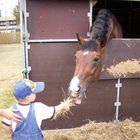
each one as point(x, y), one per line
point(115, 29)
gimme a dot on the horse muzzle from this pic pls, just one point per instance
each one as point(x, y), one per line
point(76, 95)
point(76, 90)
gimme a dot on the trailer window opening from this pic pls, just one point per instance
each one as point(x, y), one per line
point(127, 12)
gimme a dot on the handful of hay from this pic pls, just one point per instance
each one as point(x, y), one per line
point(64, 108)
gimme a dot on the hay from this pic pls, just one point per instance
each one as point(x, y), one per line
point(125, 130)
point(65, 108)
point(124, 68)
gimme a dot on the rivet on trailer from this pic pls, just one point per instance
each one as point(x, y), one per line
point(49, 45)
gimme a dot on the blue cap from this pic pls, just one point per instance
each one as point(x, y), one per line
point(25, 87)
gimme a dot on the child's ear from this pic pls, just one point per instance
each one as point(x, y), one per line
point(27, 97)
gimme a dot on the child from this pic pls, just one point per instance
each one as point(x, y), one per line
point(32, 113)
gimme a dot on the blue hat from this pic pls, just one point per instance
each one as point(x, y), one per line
point(25, 87)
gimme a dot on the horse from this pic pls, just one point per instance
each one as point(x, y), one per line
point(89, 57)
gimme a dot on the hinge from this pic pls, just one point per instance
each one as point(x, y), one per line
point(27, 14)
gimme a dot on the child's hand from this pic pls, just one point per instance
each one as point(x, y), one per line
point(10, 114)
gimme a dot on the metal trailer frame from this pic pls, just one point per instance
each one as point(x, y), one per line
point(26, 46)
point(24, 37)
point(24, 14)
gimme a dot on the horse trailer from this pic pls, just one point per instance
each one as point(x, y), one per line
point(49, 43)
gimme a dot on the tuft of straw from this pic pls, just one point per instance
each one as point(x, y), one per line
point(124, 68)
point(65, 108)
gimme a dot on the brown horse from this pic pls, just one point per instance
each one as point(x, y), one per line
point(89, 57)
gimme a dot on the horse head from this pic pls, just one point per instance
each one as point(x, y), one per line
point(88, 67)
point(88, 58)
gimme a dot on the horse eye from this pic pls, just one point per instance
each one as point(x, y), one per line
point(96, 59)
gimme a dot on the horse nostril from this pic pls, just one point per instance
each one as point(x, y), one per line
point(78, 88)
point(74, 90)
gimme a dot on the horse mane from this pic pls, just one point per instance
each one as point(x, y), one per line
point(102, 30)
point(99, 28)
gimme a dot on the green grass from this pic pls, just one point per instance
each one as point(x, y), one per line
point(10, 72)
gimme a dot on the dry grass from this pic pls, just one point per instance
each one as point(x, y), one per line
point(10, 62)
point(10, 71)
point(124, 68)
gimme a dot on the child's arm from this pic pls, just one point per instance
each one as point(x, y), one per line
point(43, 111)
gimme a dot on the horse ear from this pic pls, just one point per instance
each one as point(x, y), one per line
point(94, 2)
point(101, 47)
point(80, 39)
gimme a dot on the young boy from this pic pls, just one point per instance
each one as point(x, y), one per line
point(32, 113)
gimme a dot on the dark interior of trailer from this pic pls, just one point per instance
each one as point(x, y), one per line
point(127, 12)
